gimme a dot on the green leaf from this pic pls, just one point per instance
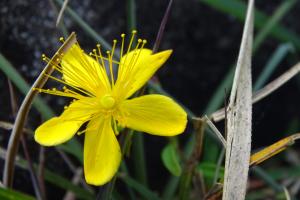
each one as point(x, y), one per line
point(171, 159)
point(8, 194)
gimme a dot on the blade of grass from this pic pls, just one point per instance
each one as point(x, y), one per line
point(267, 178)
point(273, 149)
point(86, 27)
point(131, 15)
point(8, 194)
point(142, 190)
point(238, 141)
point(237, 9)
point(272, 64)
point(125, 170)
point(279, 13)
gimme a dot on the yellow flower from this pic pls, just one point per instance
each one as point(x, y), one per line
point(103, 102)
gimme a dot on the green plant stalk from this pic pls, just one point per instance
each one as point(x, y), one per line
point(13, 195)
point(272, 64)
point(185, 186)
point(131, 15)
point(169, 190)
point(138, 153)
point(125, 170)
point(141, 189)
point(267, 178)
point(279, 13)
point(86, 27)
point(237, 9)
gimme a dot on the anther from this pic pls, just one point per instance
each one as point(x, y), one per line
point(61, 39)
point(134, 32)
point(65, 107)
point(123, 35)
point(139, 40)
point(98, 45)
point(144, 41)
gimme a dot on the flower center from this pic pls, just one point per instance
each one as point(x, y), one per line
point(107, 101)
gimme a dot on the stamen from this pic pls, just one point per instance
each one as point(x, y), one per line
point(110, 68)
point(100, 54)
point(131, 40)
point(122, 45)
point(61, 39)
point(111, 63)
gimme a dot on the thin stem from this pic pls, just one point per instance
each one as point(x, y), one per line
point(265, 91)
point(192, 162)
point(35, 182)
point(14, 139)
point(41, 170)
point(162, 27)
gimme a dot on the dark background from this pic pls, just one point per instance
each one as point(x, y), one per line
point(205, 43)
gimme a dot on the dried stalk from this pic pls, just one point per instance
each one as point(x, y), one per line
point(61, 12)
point(14, 139)
point(238, 145)
point(265, 91)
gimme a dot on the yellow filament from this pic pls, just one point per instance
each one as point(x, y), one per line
point(122, 45)
point(131, 40)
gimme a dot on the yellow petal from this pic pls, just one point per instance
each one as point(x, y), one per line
point(154, 114)
point(102, 154)
point(58, 130)
point(136, 68)
point(83, 71)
